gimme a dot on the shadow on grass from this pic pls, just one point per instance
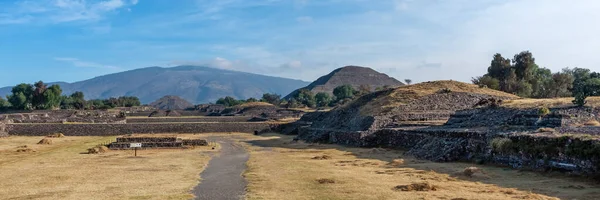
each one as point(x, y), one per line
point(550, 184)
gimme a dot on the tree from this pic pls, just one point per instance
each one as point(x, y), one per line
point(52, 97)
point(39, 100)
point(487, 81)
point(271, 98)
point(562, 83)
point(305, 97)
point(323, 99)
point(21, 96)
point(343, 92)
point(408, 81)
point(228, 101)
point(78, 100)
point(524, 65)
point(251, 99)
point(4, 104)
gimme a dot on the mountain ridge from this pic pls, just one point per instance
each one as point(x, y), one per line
point(196, 84)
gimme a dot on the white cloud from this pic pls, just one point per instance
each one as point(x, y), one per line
point(86, 64)
point(58, 11)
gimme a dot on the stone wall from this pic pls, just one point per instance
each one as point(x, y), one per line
point(576, 154)
point(3, 132)
point(189, 119)
point(120, 129)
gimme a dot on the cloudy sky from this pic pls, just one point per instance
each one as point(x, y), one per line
point(72, 40)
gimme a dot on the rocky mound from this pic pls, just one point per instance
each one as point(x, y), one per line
point(261, 110)
point(437, 100)
point(350, 75)
point(171, 103)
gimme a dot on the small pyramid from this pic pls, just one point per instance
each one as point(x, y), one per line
point(171, 103)
point(355, 76)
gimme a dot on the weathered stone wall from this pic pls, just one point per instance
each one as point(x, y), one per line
point(189, 119)
point(119, 129)
point(576, 154)
point(3, 132)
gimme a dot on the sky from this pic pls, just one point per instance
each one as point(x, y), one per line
point(422, 40)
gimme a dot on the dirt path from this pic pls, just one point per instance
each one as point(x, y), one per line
point(222, 178)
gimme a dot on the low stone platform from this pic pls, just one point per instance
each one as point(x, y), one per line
point(124, 142)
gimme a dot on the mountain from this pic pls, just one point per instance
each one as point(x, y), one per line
point(195, 84)
point(350, 75)
point(171, 103)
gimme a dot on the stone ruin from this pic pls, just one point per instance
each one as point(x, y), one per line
point(3, 132)
point(123, 142)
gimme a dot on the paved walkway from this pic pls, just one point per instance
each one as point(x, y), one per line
point(222, 178)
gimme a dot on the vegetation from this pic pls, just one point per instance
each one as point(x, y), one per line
point(408, 81)
point(523, 77)
point(323, 99)
point(274, 99)
point(229, 101)
point(41, 97)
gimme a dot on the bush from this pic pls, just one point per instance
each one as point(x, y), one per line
point(501, 144)
point(543, 111)
point(580, 99)
point(444, 91)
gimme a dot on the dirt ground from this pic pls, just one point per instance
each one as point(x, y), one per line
point(61, 170)
point(277, 169)
point(280, 169)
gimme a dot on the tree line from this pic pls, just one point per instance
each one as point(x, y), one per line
point(40, 96)
point(523, 77)
point(306, 98)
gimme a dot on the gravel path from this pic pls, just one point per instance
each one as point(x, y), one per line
point(222, 178)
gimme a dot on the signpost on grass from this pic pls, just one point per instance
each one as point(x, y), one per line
point(135, 146)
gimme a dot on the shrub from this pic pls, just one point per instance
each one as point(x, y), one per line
point(543, 111)
point(444, 91)
point(501, 144)
point(580, 99)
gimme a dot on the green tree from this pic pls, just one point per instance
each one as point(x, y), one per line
point(4, 104)
point(524, 65)
point(21, 96)
point(305, 97)
point(274, 99)
point(562, 83)
point(52, 97)
point(251, 99)
point(487, 81)
point(343, 92)
point(323, 99)
point(228, 101)
point(78, 100)
point(38, 100)
point(408, 81)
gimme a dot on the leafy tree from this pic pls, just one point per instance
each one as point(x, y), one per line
point(52, 97)
point(408, 81)
point(524, 65)
point(4, 104)
point(343, 92)
point(562, 83)
point(271, 98)
point(323, 99)
point(487, 81)
point(78, 100)
point(19, 101)
point(228, 101)
point(249, 100)
point(38, 99)
point(305, 97)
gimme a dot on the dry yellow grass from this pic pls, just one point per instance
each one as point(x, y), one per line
point(279, 169)
point(250, 104)
point(549, 103)
point(403, 94)
point(61, 171)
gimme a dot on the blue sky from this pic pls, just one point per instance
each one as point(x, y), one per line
point(72, 40)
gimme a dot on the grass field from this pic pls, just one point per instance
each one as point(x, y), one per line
point(278, 169)
point(62, 171)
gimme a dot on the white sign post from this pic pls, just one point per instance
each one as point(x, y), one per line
point(135, 146)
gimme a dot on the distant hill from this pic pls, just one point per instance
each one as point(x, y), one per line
point(195, 84)
point(350, 75)
point(171, 103)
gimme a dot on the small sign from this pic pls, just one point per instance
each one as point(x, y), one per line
point(135, 145)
